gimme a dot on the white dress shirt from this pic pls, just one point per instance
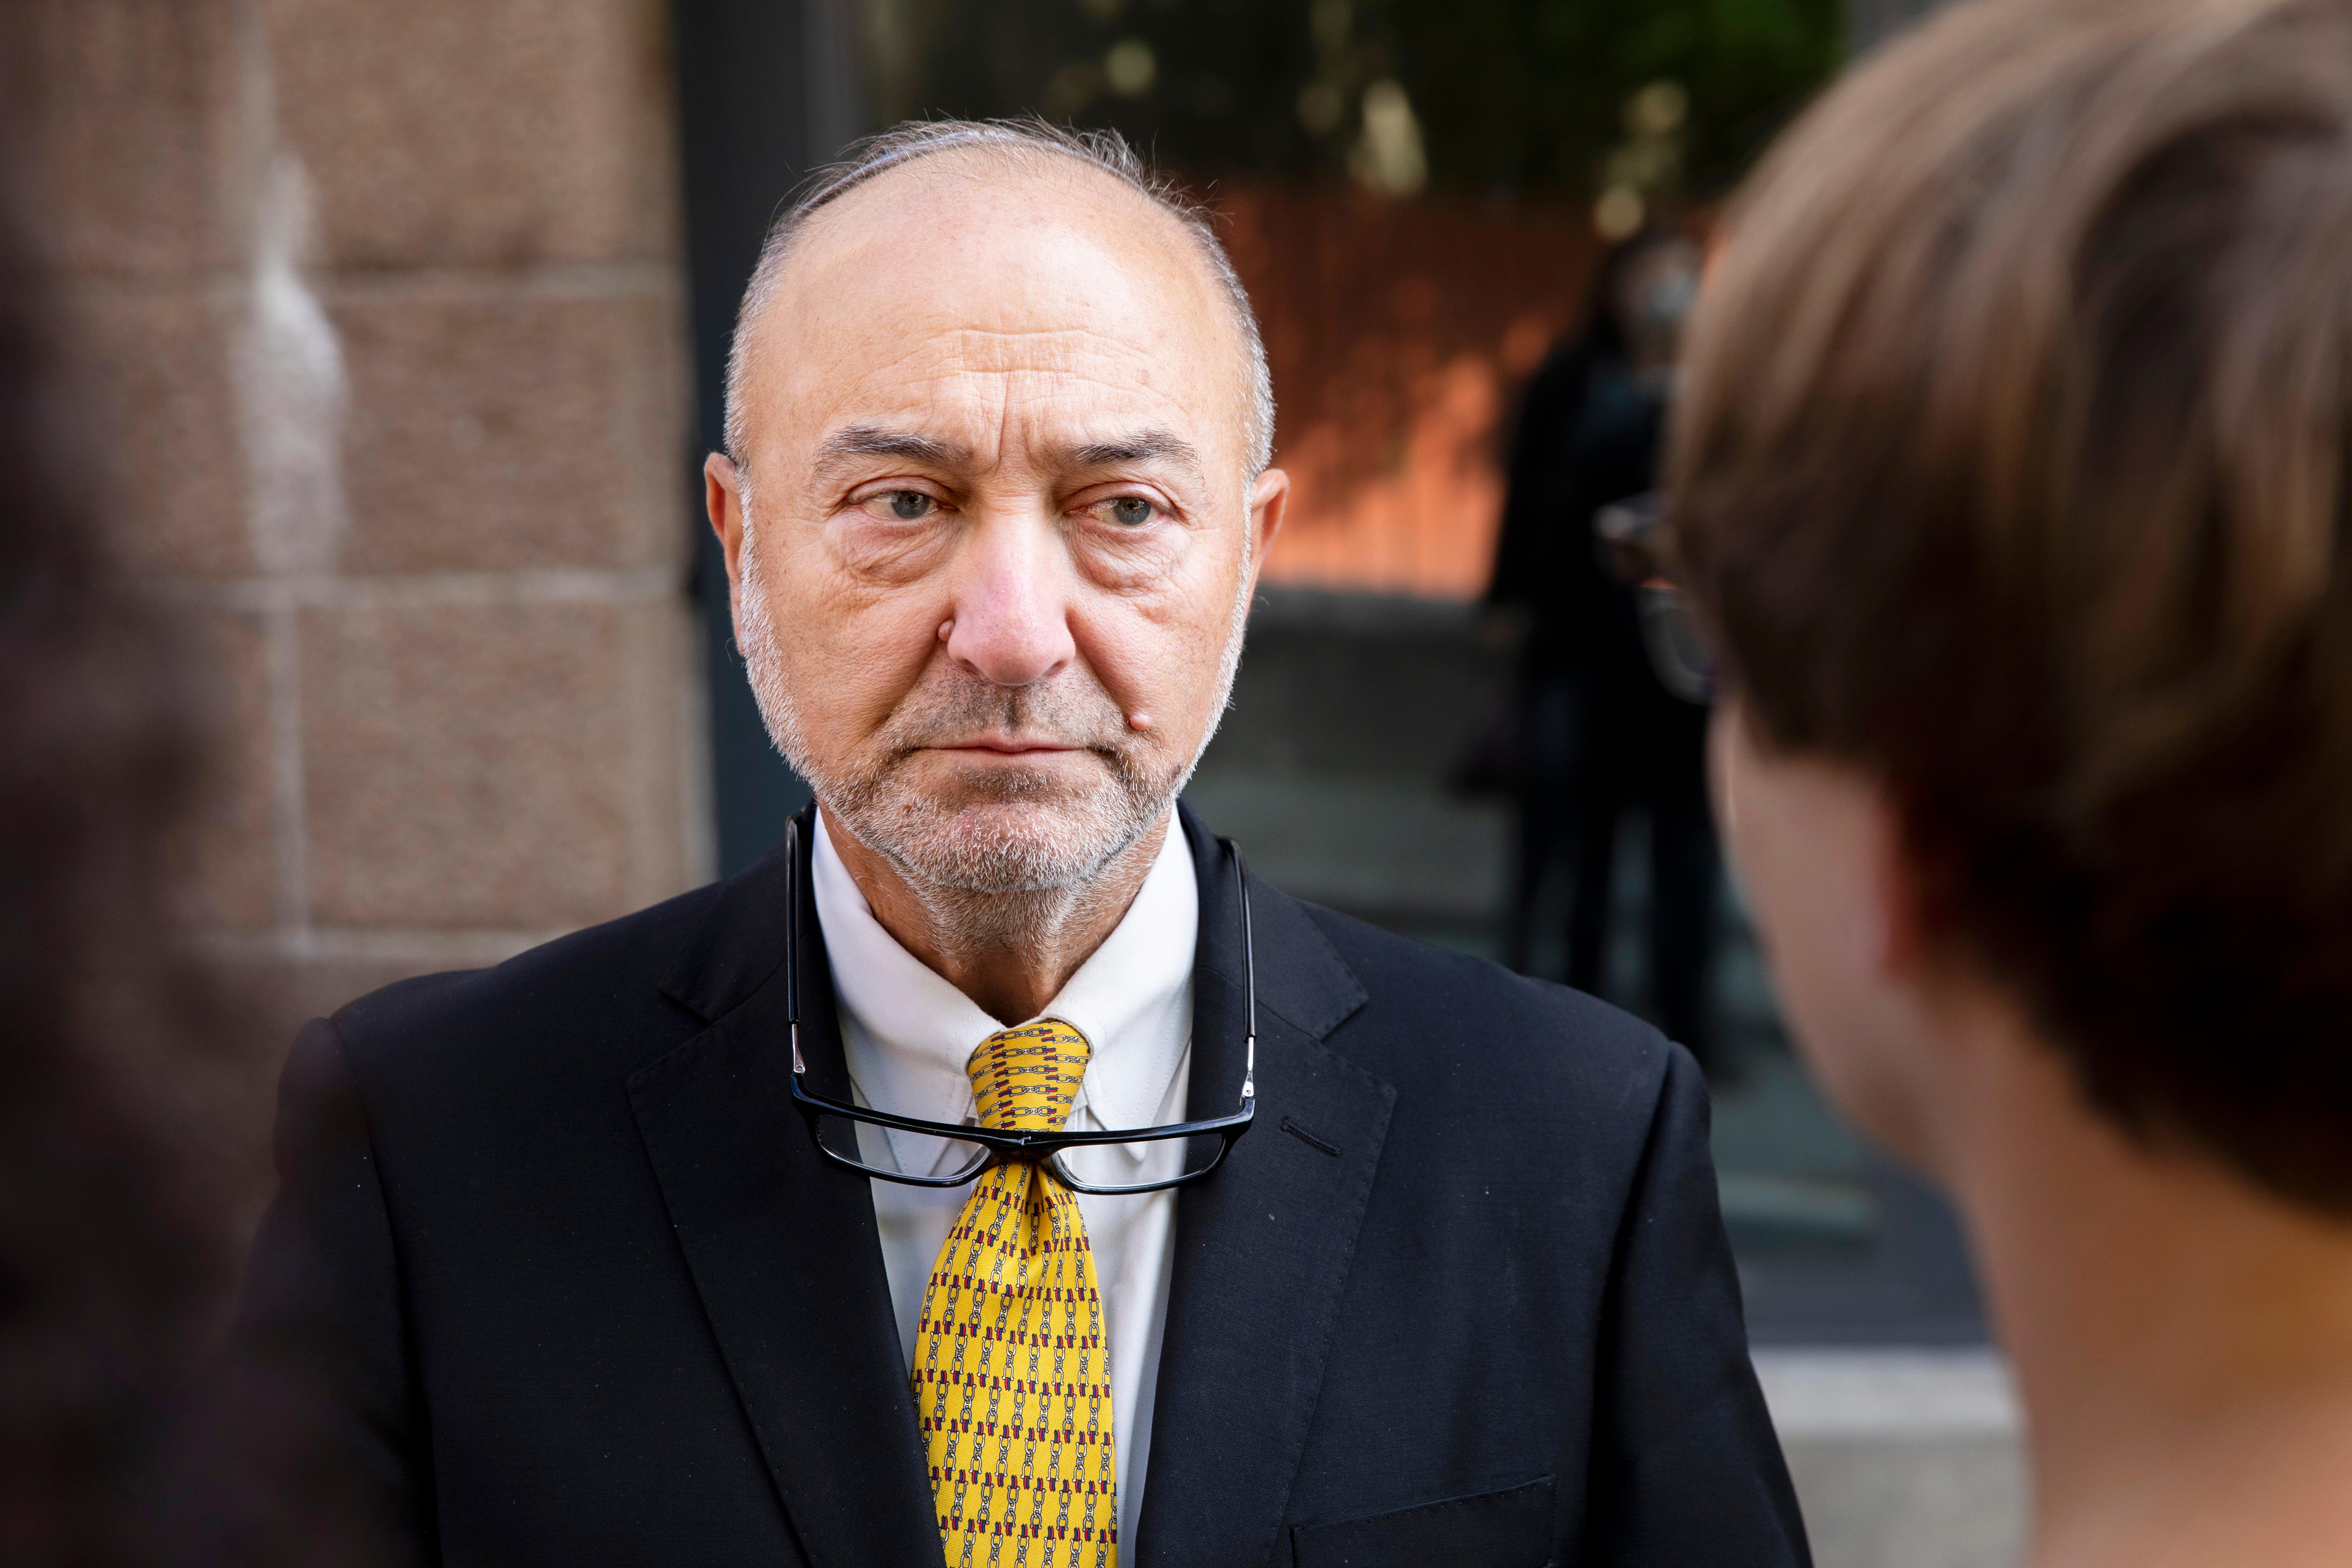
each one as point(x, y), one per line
point(908, 1034)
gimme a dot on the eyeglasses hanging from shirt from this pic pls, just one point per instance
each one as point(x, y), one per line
point(918, 1153)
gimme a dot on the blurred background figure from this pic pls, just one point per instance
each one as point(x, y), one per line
point(114, 1237)
point(1600, 736)
point(121, 1443)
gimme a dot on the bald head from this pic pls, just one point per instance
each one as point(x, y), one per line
point(1031, 176)
point(1042, 277)
point(995, 502)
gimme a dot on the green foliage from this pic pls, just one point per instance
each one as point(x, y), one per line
point(1529, 94)
point(1509, 95)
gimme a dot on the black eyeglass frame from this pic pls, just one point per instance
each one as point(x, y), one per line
point(1636, 540)
point(1003, 1146)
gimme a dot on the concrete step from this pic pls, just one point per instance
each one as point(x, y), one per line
point(1902, 1458)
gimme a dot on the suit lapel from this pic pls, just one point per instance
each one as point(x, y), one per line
point(782, 1247)
point(1262, 1246)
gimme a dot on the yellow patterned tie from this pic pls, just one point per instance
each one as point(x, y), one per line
point(1012, 1374)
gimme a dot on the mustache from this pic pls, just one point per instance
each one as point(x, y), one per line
point(953, 705)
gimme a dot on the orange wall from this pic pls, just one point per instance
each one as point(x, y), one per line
point(1398, 332)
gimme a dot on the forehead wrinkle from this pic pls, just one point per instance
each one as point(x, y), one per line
point(914, 381)
point(953, 407)
point(933, 358)
point(968, 347)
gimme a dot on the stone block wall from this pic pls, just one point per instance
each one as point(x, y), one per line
point(384, 311)
point(1903, 1459)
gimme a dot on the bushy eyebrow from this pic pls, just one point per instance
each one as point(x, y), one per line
point(878, 441)
point(856, 441)
point(1142, 447)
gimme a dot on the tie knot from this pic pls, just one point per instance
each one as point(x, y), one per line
point(1024, 1080)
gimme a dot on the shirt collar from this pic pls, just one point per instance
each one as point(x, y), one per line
point(1133, 996)
point(1131, 999)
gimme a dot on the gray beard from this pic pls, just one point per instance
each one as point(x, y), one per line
point(1015, 857)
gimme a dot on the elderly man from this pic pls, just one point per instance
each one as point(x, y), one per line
point(763, 1227)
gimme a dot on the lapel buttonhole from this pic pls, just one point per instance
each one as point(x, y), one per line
point(1309, 1139)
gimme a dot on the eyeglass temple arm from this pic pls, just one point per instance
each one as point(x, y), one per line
point(1249, 974)
point(793, 941)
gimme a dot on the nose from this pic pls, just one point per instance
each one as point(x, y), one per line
point(1010, 615)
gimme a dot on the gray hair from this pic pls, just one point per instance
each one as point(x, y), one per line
point(1103, 150)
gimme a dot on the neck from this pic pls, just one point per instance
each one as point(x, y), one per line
point(1010, 952)
point(2182, 1340)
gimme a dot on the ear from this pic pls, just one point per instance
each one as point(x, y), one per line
point(1269, 505)
point(1905, 939)
point(1860, 813)
point(1820, 856)
point(722, 498)
point(1835, 833)
point(1899, 892)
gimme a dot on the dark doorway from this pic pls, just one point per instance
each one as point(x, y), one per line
point(767, 91)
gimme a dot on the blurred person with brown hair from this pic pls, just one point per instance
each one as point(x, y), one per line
point(1599, 736)
point(2014, 481)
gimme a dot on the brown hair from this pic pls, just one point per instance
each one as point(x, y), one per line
point(2013, 468)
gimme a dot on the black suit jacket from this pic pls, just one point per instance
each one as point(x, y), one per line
point(554, 1245)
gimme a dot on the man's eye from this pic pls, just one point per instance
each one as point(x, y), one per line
point(1131, 511)
point(905, 505)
